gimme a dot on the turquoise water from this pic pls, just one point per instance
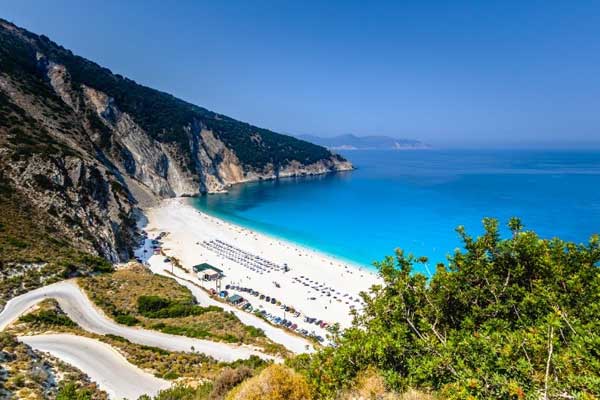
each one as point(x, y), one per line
point(415, 200)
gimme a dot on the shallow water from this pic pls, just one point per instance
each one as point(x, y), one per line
point(415, 200)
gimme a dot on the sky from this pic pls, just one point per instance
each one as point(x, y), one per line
point(450, 73)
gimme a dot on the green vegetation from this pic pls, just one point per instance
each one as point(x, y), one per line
point(162, 115)
point(135, 296)
point(508, 318)
point(47, 317)
point(166, 118)
point(159, 307)
point(191, 368)
point(72, 391)
point(182, 392)
point(513, 318)
point(25, 135)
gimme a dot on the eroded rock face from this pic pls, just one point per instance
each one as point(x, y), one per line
point(224, 168)
point(83, 199)
point(217, 167)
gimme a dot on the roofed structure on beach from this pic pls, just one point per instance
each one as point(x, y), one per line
point(205, 266)
point(209, 274)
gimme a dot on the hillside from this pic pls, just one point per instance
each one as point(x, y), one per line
point(87, 146)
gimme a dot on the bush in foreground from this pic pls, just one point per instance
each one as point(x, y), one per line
point(507, 318)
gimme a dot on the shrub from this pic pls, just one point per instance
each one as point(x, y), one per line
point(507, 318)
point(181, 392)
point(47, 317)
point(149, 304)
point(276, 382)
point(171, 375)
point(159, 307)
point(254, 331)
point(228, 379)
point(70, 391)
point(127, 319)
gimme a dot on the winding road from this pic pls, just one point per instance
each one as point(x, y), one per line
point(108, 368)
point(103, 364)
point(81, 310)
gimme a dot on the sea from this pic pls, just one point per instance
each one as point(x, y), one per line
point(414, 200)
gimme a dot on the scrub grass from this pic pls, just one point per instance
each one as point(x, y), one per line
point(189, 368)
point(28, 374)
point(136, 296)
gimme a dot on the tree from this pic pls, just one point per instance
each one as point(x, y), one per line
point(71, 391)
point(506, 318)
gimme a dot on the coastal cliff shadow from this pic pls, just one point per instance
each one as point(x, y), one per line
point(243, 197)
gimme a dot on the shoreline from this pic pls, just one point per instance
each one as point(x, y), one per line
point(290, 242)
point(314, 283)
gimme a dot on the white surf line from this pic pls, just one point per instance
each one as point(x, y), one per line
point(293, 343)
point(103, 364)
point(81, 310)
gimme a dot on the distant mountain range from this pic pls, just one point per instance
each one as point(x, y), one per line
point(353, 142)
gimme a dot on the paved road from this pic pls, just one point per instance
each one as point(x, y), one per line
point(104, 365)
point(79, 308)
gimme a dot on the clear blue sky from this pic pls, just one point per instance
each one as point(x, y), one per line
point(450, 72)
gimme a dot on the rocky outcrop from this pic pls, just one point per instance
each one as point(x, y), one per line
point(82, 198)
point(224, 169)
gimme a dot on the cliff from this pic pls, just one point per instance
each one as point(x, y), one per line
point(87, 147)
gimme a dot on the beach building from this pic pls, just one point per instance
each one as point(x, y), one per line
point(207, 272)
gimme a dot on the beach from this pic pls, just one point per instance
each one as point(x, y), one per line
point(314, 284)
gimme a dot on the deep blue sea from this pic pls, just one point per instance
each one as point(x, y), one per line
point(415, 199)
